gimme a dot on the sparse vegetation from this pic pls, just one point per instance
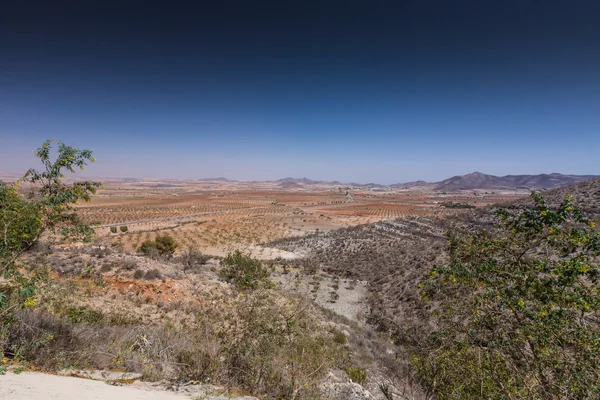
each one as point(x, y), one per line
point(509, 311)
point(457, 205)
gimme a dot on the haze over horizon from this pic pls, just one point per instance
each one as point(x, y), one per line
point(382, 92)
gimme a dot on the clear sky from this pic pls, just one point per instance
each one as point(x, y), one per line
point(367, 91)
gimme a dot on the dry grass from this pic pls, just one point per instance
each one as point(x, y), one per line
point(260, 342)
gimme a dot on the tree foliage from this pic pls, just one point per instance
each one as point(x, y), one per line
point(515, 313)
point(21, 222)
point(48, 207)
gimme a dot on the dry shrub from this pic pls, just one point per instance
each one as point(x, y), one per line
point(138, 274)
point(153, 274)
point(262, 343)
point(129, 264)
point(192, 260)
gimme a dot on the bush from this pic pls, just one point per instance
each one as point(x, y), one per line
point(191, 259)
point(123, 228)
point(148, 248)
point(357, 374)
point(153, 274)
point(113, 229)
point(166, 245)
point(340, 338)
point(516, 310)
point(84, 314)
point(138, 274)
point(243, 271)
point(163, 245)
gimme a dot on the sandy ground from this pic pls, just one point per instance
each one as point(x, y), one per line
point(351, 295)
point(37, 386)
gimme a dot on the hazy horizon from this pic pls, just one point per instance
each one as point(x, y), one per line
point(349, 91)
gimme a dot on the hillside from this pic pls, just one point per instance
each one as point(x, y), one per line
point(478, 180)
point(545, 181)
point(394, 255)
point(587, 195)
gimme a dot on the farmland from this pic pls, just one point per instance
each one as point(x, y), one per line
point(220, 216)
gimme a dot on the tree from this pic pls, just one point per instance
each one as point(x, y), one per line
point(243, 271)
point(48, 206)
point(516, 312)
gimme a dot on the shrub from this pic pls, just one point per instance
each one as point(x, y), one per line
point(84, 314)
point(191, 259)
point(138, 274)
point(340, 338)
point(357, 374)
point(243, 271)
point(123, 228)
point(129, 263)
point(516, 310)
point(165, 245)
point(113, 229)
point(148, 248)
point(153, 274)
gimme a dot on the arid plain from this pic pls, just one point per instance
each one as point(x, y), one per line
point(220, 216)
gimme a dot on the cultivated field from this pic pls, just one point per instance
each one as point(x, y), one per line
point(218, 217)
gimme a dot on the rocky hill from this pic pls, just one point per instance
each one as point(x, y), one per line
point(587, 196)
point(478, 180)
point(474, 180)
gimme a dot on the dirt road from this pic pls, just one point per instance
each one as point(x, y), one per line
point(37, 386)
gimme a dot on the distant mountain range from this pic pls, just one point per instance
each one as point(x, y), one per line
point(474, 180)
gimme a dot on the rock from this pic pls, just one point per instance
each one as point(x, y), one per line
point(344, 391)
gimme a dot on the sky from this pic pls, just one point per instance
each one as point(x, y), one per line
point(361, 91)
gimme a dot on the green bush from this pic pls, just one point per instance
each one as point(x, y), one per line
point(244, 271)
point(516, 309)
point(357, 374)
point(113, 229)
point(123, 228)
point(166, 245)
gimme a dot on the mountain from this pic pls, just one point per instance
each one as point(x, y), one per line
point(546, 181)
point(478, 180)
point(290, 185)
point(299, 181)
point(219, 179)
point(475, 180)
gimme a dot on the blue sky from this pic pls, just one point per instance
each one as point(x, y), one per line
point(372, 92)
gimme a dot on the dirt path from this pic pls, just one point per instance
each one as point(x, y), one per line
point(37, 386)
